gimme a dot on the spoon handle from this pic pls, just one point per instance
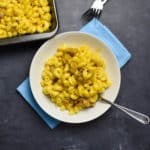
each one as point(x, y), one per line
point(144, 119)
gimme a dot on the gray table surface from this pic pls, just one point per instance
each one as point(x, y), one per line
point(22, 128)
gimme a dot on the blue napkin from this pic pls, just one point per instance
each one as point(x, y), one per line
point(96, 28)
point(25, 91)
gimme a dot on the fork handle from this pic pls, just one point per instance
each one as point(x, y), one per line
point(135, 115)
point(142, 118)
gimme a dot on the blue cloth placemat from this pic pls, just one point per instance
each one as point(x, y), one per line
point(96, 28)
point(25, 91)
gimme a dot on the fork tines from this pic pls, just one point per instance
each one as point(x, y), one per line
point(95, 9)
point(91, 13)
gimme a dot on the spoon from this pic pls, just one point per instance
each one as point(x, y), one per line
point(142, 118)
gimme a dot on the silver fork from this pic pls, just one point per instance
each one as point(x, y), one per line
point(142, 118)
point(95, 9)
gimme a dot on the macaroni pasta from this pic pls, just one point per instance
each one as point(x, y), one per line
point(74, 78)
point(19, 17)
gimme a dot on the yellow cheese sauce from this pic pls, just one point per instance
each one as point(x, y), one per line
point(19, 17)
point(74, 78)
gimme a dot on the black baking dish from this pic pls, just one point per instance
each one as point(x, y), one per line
point(36, 36)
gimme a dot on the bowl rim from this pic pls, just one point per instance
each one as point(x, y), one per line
point(58, 36)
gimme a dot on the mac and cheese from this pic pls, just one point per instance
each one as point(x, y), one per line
point(74, 78)
point(19, 17)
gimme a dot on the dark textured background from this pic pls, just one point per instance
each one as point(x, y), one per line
point(22, 128)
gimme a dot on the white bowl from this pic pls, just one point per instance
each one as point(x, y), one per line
point(73, 39)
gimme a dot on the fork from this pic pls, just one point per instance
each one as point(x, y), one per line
point(142, 118)
point(95, 9)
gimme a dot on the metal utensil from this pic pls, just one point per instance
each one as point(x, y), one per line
point(95, 9)
point(144, 119)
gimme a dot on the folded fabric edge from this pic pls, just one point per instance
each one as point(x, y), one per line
point(125, 60)
point(51, 122)
point(113, 36)
point(125, 55)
